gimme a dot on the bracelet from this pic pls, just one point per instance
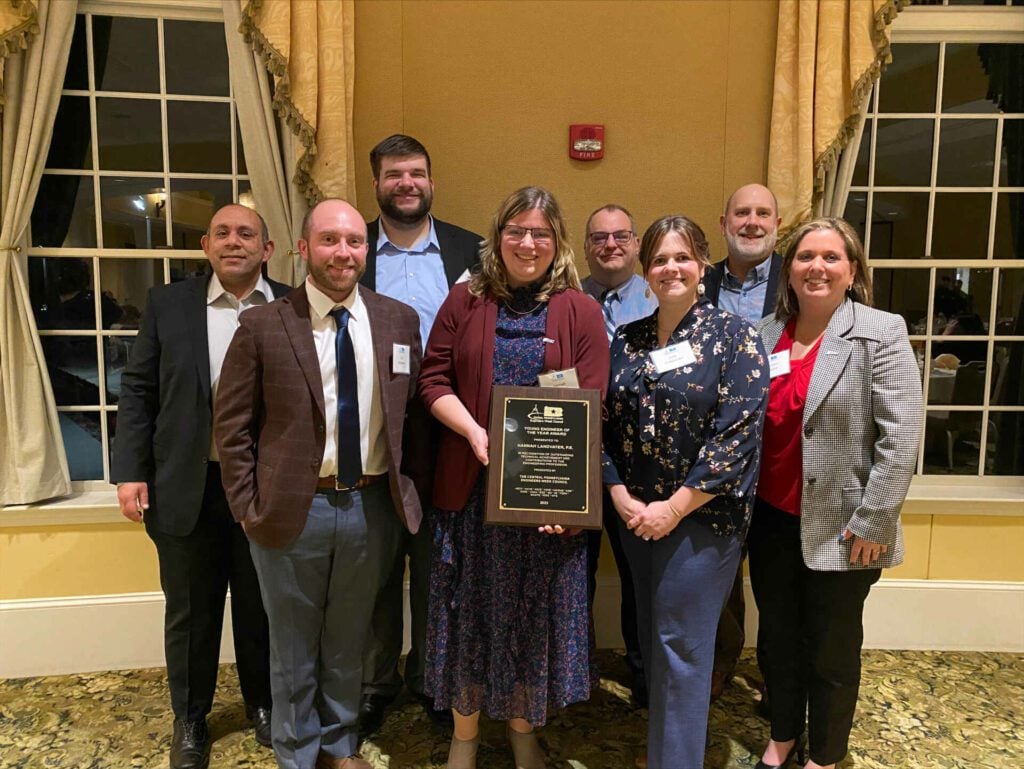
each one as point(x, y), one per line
point(675, 512)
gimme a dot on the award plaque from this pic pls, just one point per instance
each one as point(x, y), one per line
point(545, 446)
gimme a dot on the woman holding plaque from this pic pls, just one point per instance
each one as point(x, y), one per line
point(508, 629)
point(686, 404)
point(840, 447)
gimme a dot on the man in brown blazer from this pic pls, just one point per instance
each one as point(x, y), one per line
point(311, 419)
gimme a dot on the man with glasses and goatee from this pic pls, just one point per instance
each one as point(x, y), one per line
point(612, 248)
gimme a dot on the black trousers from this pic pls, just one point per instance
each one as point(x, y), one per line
point(812, 627)
point(384, 644)
point(195, 572)
point(627, 607)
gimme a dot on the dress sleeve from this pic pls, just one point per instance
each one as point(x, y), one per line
point(728, 462)
point(591, 352)
point(437, 368)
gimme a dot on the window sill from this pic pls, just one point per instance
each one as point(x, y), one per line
point(928, 496)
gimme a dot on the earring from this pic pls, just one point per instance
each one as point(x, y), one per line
point(647, 293)
point(700, 289)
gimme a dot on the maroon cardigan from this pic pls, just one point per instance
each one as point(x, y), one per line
point(458, 361)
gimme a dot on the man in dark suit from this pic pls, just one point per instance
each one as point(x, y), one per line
point(311, 421)
point(414, 258)
point(746, 283)
point(165, 466)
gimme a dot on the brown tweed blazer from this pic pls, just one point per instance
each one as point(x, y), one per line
point(270, 424)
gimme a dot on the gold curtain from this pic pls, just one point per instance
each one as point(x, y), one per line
point(18, 25)
point(309, 48)
point(829, 53)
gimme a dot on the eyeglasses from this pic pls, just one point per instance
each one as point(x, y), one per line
point(516, 233)
point(622, 237)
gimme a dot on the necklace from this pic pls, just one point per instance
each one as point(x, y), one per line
point(512, 309)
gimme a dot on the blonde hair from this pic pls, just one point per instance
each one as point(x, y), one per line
point(492, 277)
point(787, 306)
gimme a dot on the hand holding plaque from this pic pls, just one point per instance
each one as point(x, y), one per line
point(545, 457)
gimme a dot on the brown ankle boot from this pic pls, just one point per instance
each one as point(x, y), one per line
point(462, 753)
point(526, 749)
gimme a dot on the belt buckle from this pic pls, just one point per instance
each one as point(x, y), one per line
point(339, 486)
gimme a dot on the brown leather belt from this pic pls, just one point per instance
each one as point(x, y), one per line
point(331, 483)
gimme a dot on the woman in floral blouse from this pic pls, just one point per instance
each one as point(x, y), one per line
point(686, 402)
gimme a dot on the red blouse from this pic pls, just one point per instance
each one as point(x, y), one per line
point(781, 454)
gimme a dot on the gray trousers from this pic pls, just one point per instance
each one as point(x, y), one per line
point(319, 594)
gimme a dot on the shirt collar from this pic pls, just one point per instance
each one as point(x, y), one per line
point(323, 305)
point(215, 290)
point(419, 247)
point(761, 272)
point(615, 292)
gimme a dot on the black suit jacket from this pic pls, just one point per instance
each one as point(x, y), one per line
point(713, 283)
point(460, 250)
point(165, 413)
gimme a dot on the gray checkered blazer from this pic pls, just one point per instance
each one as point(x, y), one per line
point(861, 429)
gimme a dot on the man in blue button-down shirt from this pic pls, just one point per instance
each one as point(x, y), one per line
point(415, 259)
point(745, 283)
point(612, 248)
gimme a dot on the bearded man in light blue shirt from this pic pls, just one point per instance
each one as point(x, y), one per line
point(745, 283)
point(415, 258)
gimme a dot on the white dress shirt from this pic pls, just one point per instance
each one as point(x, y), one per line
point(223, 310)
point(372, 441)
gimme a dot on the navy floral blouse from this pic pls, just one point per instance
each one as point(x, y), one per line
point(697, 425)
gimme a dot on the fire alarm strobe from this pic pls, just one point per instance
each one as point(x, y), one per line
point(586, 142)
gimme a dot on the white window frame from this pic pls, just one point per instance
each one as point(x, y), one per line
point(941, 25)
point(161, 10)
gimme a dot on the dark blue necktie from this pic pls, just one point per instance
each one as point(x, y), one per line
point(350, 461)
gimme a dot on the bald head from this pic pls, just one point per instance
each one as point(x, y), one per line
point(750, 225)
point(333, 244)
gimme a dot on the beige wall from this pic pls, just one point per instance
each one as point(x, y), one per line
point(682, 88)
point(41, 562)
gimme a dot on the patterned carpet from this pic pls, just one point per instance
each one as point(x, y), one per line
point(919, 710)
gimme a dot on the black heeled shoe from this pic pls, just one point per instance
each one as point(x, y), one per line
point(798, 751)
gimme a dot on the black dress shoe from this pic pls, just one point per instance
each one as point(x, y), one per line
point(639, 690)
point(796, 751)
point(260, 718)
point(190, 745)
point(372, 708)
point(441, 718)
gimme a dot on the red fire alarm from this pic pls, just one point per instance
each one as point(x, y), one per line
point(586, 142)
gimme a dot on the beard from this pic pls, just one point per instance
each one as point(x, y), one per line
point(393, 212)
point(751, 253)
point(327, 282)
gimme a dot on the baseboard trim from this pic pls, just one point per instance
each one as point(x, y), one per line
point(59, 636)
point(917, 614)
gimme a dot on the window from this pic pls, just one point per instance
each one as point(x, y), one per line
point(938, 196)
point(145, 149)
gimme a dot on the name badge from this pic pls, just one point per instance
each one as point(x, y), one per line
point(778, 363)
point(400, 359)
point(565, 378)
point(673, 356)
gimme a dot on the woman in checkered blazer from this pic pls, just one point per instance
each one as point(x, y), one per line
point(840, 446)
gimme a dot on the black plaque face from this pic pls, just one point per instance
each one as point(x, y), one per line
point(544, 457)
